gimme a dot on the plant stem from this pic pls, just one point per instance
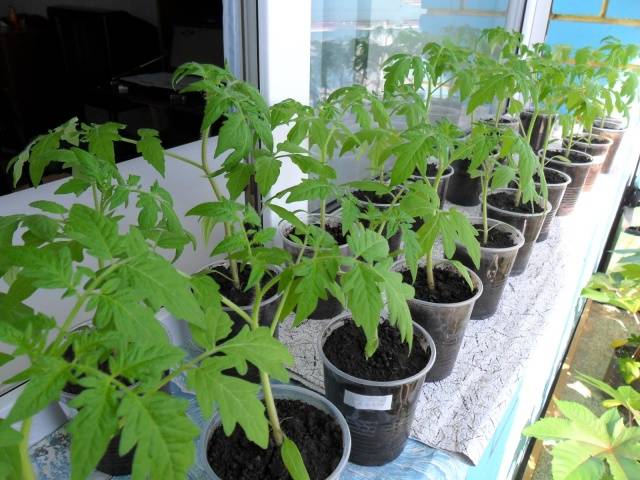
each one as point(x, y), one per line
point(431, 282)
point(228, 228)
point(25, 461)
point(272, 413)
point(498, 114)
point(98, 207)
point(485, 216)
point(532, 122)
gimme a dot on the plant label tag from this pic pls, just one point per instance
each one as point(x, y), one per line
point(368, 402)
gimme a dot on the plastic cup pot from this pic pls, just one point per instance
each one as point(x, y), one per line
point(556, 193)
point(542, 127)
point(577, 168)
point(505, 121)
point(462, 189)
point(283, 392)
point(529, 224)
point(331, 306)
point(613, 129)
point(379, 413)
point(598, 148)
point(445, 322)
point(495, 267)
point(394, 240)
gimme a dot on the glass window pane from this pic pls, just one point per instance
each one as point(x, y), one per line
point(583, 7)
point(624, 9)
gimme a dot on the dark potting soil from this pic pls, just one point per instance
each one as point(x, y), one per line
point(497, 238)
point(74, 388)
point(315, 433)
point(450, 286)
point(373, 197)
point(552, 178)
point(506, 201)
point(585, 139)
point(574, 156)
point(222, 276)
point(334, 230)
point(345, 349)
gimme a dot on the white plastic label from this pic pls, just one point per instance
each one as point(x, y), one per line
point(368, 402)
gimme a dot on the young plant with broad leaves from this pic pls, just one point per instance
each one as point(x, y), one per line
point(587, 446)
point(116, 278)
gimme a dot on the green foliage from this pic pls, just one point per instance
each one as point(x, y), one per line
point(589, 446)
point(620, 288)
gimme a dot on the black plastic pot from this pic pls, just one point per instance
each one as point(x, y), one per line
point(598, 151)
point(541, 128)
point(495, 267)
point(379, 414)
point(445, 322)
point(462, 189)
point(556, 193)
point(615, 131)
point(330, 307)
point(577, 169)
point(529, 225)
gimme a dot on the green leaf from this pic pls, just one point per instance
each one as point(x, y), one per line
point(163, 285)
point(237, 400)
point(46, 381)
point(73, 185)
point(259, 348)
point(234, 135)
point(310, 189)
point(267, 172)
point(360, 286)
point(43, 227)
point(221, 211)
point(287, 216)
point(150, 147)
point(368, 244)
point(101, 138)
point(158, 426)
point(144, 360)
point(123, 309)
point(93, 427)
point(292, 459)
point(49, 206)
point(231, 244)
point(238, 179)
point(397, 293)
point(97, 233)
point(49, 266)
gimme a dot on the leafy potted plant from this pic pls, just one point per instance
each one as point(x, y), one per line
point(499, 241)
point(117, 279)
point(445, 291)
point(621, 89)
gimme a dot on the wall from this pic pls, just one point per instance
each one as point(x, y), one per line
point(145, 9)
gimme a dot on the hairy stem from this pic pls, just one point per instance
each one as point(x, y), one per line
point(498, 114)
point(228, 227)
point(485, 216)
point(431, 281)
point(532, 122)
point(98, 206)
point(25, 461)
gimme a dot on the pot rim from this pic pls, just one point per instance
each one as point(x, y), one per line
point(570, 164)
point(474, 276)
point(610, 129)
point(567, 179)
point(247, 308)
point(505, 226)
point(280, 389)
point(517, 214)
point(282, 224)
point(512, 119)
point(376, 383)
point(527, 111)
point(448, 173)
point(379, 206)
point(608, 142)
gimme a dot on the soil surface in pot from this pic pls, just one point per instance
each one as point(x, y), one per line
point(497, 238)
point(334, 230)
point(316, 434)
point(450, 286)
point(585, 139)
point(345, 349)
point(506, 201)
point(552, 178)
point(373, 197)
point(222, 276)
point(574, 156)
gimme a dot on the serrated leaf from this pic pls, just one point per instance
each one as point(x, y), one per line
point(74, 185)
point(368, 244)
point(360, 286)
point(238, 178)
point(44, 386)
point(262, 350)
point(237, 400)
point(97, 233)
point(220, 211)
point(43, 227)
point(48, 267)
point(267, 172)
point(48, 206)
point(101, 138)
point(310, 189)
point(234, 135)
point(292, 459)
point(158, 426)
point(150, 147)
point(93, 427)
point(163, 285)
point(231, 244)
